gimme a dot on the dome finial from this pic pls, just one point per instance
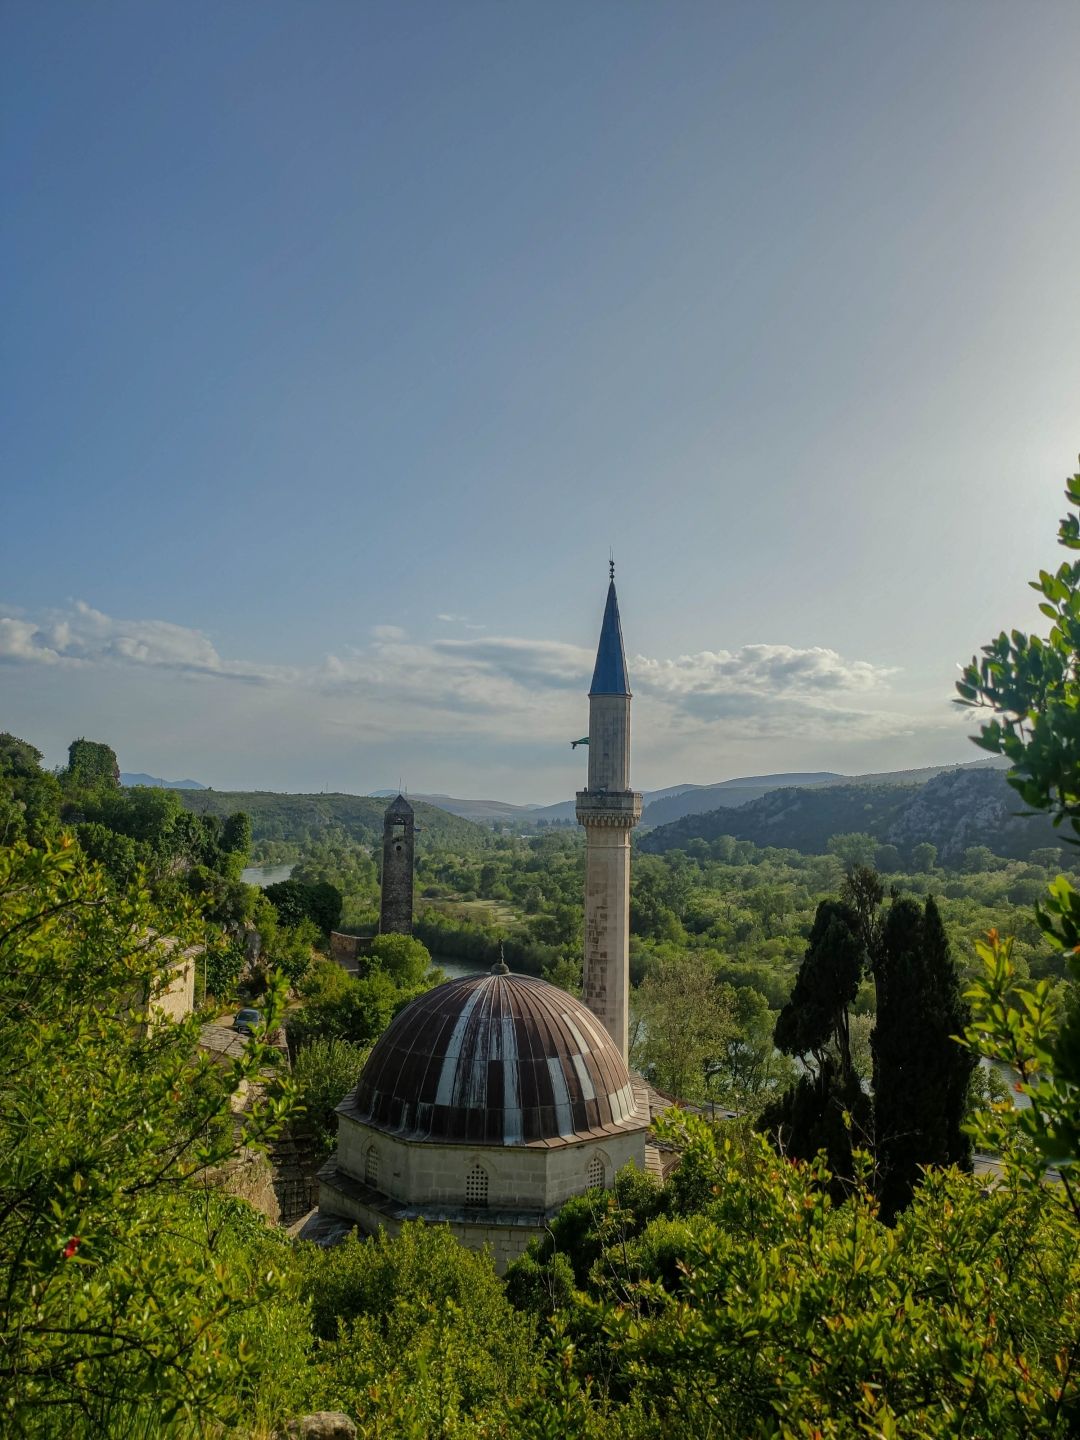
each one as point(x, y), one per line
point(611, 564)
point(500, 967)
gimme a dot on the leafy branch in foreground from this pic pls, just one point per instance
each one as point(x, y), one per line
point(1021, 1025)
point(112, 1290)
point(1034, 686)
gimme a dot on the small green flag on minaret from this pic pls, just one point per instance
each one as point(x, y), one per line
point(575, 743)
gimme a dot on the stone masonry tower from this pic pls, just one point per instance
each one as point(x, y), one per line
point(396, 911)
point(609, 810)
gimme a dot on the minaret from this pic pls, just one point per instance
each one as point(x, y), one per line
point(609, 810)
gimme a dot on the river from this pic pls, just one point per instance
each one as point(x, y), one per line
point(263, 875)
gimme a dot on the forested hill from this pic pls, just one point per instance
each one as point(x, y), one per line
point(954, 811)
point(297, 818)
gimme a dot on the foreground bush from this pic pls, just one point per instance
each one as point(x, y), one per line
point(124, 1286)
point(770, 1310)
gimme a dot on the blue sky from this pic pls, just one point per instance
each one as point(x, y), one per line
point(341, 341)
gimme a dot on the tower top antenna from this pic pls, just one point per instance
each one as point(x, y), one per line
point(611, 565)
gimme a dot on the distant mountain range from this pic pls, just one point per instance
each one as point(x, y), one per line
point(664, 807)
point(952, 808)
point(140, 779)
point(494, 812)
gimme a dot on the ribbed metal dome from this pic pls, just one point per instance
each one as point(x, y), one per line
point(495, 1060)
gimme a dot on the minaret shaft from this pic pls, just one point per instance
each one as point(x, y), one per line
point(609, 810)
point(609, 742)
point(606, 988)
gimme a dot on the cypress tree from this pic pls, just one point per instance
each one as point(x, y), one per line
point(921, 1075)
point(814, 1025)
point(816, 1016)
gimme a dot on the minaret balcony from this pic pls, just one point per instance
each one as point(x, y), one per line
point(609, 807)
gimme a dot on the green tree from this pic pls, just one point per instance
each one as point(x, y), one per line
point(827, 1103)
point(117, 854)
point(924, 857)
point(856, 848)
point(863, 891)
point(91, 765)
point(747, 1304)
point(236, 835)
point(682, 1019)
point(291, 949)
point(403, 958)
point(1048, 857)
point(978, 859)
point(323, 1074)
point(339, 1006)
point(921, 1073)
point(290, 899)
point(114, 1301)
point(418, 1337)
point(748, 1069)
point(29, 796)
point(297, 901)
point(566, 973)
point(816, 1018)
point(1033, 686)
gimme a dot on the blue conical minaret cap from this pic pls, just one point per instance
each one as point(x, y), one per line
point(609, 676)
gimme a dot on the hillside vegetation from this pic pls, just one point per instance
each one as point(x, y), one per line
point(295, 820)
point(954, 811)
point(667, 808)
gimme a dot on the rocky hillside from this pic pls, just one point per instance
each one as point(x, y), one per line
point(955, 810)
point(699, 799)
point(971, 807)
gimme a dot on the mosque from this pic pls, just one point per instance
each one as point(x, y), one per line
point(491, 1100)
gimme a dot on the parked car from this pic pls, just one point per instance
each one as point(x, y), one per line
point(246, 1021)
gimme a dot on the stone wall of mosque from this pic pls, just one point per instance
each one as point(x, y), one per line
point(513, 1177)
point(505, 1243)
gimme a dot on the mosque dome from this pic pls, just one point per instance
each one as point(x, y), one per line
point(496, 1059)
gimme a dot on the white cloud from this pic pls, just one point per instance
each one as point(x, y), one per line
point(462, 620)
point(759, 670)
point(22, 640)
point(513, 689)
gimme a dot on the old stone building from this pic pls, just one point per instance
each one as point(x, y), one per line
point(399, 835)
point(493, 1099)
point(485, 1106)
point(395, 892)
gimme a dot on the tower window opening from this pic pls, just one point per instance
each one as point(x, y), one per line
point(476, 1187)
point(595, 1173)
point(371, 1167)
